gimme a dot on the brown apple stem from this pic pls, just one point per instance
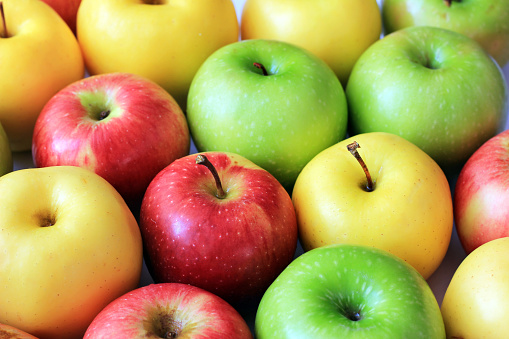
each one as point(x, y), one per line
point(202, 160)
point(353, 149)
point(448, 3)
point(5, 33)
point(260, 66)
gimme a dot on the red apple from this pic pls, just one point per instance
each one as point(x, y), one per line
point(233, 245)
point(168, 311)
point(481, 196)
point(9, 332)
point(123, 127)
point(67, 9)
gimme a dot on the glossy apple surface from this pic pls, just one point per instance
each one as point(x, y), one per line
point(165, 41)
point(336, 31)
point(233, 246)
point(476, 303)
point(434, 87)
point(70, 246)
point(39, 57)
point(348, 291)
point(409, 212)
point(280, 120)
point(485, 21)
point(168, 310)
point(67, 9)
point(121, 126)
point(6, 162)
point(481, 194)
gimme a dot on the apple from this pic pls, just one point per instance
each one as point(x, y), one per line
point(476, 302)
point(69, 247)
point(165, 41)
point(434, 87)
point(481, 194)
point(168, 310)
point(9, 332)
point(407, 210)
point(39, 56)
point(485, 21)
point(349, 291)
point(219, 222)
point(6, 162)
point(274, 103)
point(122, 126)
point(336, 31)
point(67, 9)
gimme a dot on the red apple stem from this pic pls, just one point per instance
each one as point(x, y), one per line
point(260, 66)
point(5, 33)
point(203, 160)
point(353, 149)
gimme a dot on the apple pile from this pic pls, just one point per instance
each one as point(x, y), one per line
point(253, 168)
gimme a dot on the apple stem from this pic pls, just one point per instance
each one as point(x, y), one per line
point(353, 149)
point(260, 66)
point(5, 33)
point(448, 3)
point(203, 160)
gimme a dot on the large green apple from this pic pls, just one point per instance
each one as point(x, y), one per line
point(348, 291)
point(272, 102)
point(437, 88)
point(485, 21)
point(6, 163)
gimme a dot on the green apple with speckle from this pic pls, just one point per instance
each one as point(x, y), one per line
point(349, 291)
point(272, 102)
point(436, 88)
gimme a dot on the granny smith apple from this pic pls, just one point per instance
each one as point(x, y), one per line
point(436, 88)
point(272, 102)
point(6, 162)
point(349, 291)
point(485, 21)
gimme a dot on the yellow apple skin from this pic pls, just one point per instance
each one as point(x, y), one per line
point(166, 43)
point(55, 279)
point(409, 213)
point(476, 302)
point(6, 163)
point(336, 31)
point(40, 57)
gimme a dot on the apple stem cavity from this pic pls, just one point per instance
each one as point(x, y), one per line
point(104, 114)
point(203, 160)
point(260, 66)
point(5, 33)
point(370, 186)
point(448, 3)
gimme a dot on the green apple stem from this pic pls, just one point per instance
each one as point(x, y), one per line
point(203, 160)
point(260, 66)
point(5, 33)
point(353, 149)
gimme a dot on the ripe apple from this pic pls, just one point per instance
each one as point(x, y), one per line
point(123, 127)
point(485, 21)
point(165, 41)
point(6, 162)
point(9, 332)
point(481, 195)
point(39, 56)
point(434, 87)
point(407, 211)
point(222, 224)
point(67, 9)
point(168, 310)
point(69, 246)
point(336, 31)
point(274, 103)
point(349, 291)
point(476, 302)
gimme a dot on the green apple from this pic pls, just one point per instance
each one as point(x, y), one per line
point(485, 21)
point(272, 102)
point(348, 291)
point(6, 162)
point(434, 87)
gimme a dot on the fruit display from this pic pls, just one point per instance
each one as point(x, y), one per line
point(172, 168)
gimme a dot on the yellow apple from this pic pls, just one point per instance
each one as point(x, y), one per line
point(69, 245)
point(6, 163)
point(476, 302)
point(408, 212)
point(336, 31)
point(165, 41)
point(39, 55)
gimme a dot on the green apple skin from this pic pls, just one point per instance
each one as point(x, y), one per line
point(349, 291)
point(6, 163)
point(485, 21)
point(279, 121)
point(434, 87)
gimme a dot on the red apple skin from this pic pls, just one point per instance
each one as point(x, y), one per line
point(139, 313)
point(233, 247)
point(9, 332)
point(481, 195)
point(67, 9)
point(126, 150)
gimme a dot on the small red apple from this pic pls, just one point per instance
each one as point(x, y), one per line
point(67, 9)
